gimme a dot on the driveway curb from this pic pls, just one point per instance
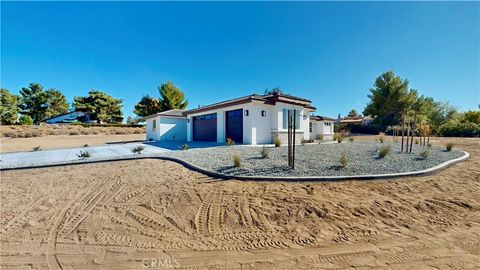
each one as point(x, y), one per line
point(193, 167)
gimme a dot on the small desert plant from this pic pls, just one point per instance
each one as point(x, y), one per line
point(237, 160)
point(416, 141)
point(73, 132)
point(429, 145)
point(340, 139)
point(264, 152)
point(424, 154)
point(381, 139)
point(230, 142)
point(84, 154)
point(384, 151)
point(36, 148)
point(138, 149)
point(320, 137)
point(449, 146)
point(86, 145)
point(351, 139)
point(184, 147)
point(277, 142)
point(343, 160)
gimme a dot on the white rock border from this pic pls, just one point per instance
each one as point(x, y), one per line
point(194, 167)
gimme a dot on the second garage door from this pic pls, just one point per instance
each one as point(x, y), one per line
point(205, 127)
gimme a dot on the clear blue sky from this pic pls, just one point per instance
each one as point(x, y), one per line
point(328, 52)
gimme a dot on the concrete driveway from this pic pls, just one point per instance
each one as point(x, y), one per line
point(105, 152)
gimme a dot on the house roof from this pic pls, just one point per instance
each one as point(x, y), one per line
point(60, 115)
point(266, 99)
point(169, 113)
point(321, 118)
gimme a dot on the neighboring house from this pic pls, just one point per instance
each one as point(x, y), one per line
point(355, 120)
point(322, 127)
point(68, 118)
point(253, 119)
point(166, 126)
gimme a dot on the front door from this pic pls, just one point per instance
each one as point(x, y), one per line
point(234, 125)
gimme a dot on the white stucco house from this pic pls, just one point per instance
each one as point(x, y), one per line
point(253, 119)
point(322, 127)
point(166, 126)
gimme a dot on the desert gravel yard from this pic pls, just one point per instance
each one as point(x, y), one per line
point(316, 159)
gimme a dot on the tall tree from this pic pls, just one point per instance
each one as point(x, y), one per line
point(34, 102)
point(147, 106)
point(171, 97)
point(353, 112)
point(56, 103)
point(388, 99)
point(9, 107)
point(102, 106)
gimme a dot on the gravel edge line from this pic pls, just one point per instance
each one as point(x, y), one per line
point(194, 167)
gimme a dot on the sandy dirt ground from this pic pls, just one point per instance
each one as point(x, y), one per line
point(156, 214)
point(64, 141)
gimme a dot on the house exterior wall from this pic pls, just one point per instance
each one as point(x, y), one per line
point(321, 128)
point(167, 128)
point(303, 133)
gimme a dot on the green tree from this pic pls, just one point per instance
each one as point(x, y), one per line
point(56, 103)
point(9, 107)
point(25, 120)
point(34, 102)
point(171, 97)
point(389, 99)
point(472, 117)
point(147, 106)
point(353, 112)
point(102, 106)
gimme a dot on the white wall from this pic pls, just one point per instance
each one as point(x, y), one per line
point(320, 128)
point(277, 119)
point(152, 134)
point(167, 129)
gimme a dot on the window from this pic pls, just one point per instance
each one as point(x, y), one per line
point(246, 112)
point(154, 124)
point(264, 113)
point(285, 117)
point(311, 126)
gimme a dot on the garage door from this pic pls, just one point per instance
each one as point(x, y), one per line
point(234, 125)
point(205, 127)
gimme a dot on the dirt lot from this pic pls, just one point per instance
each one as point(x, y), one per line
point(64, 141)
point(157, 214)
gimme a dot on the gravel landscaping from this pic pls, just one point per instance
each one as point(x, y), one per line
point(316, 159)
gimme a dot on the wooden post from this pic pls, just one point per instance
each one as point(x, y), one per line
point(294, 129)
point(403, 130)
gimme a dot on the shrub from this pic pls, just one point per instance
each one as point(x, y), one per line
point(424, 154)
point(264, 152)
point(381, 139)
point(277, 142)
point(320, 137)
point(340, 139)
point(25, 120)
point(351, 139)
point(184, 147)
point(28, 135)
point(73, 132)
point(84, 154)
point(86, 145)
point(449, 146)
point(306, 141)
point(36, 133)
point(459, 129)
point(36, 148)
point(384, 151)
point(416, 141)
point(237, 160)
point(230, 142)
point(343, 160)
point(138, 149)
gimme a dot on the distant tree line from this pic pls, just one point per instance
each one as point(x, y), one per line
point(34, 105)
point(395, 106)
